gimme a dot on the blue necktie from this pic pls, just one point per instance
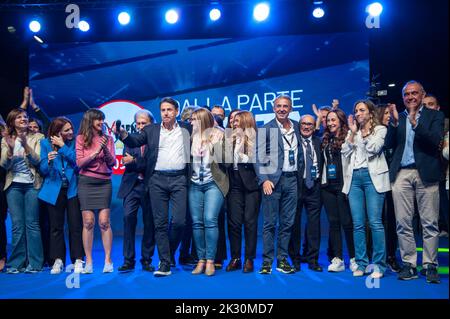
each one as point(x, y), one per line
point(309, 164)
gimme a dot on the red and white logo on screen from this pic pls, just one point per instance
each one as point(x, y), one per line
point(119, 110)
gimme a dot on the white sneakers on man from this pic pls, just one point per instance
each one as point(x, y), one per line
point(353, 264)
point(57, 267)
point(337, 265)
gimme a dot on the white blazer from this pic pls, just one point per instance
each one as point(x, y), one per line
point(376, 162)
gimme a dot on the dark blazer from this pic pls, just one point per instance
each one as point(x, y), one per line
point(428, 135)
point(248, 176)
point(267, 167)
point(150, 137)
point(301, 167)
point(132, 170)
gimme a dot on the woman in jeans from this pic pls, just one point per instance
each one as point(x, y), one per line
point(208, 187)
point(366, 180)
point(95, 157)
point(244, 196)
point(20, 157)
point(335, 202)
point(59, 192)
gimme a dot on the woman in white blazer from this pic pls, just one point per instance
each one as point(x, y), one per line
point(366, 179)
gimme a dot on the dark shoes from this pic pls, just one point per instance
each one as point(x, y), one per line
point(172, 261)
point(218, 264)
point(408, 272)
point(432, 275)
point(297, 265)
point(187, 261)
point(266, 268)
point(235, 264)
point(248, 266)
point(126, 267)
point(163, 270)
point(393, 264)
point(147, 266)
point(315, 267)
point(284, 266)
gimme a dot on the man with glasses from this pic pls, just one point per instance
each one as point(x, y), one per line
point(309, 197)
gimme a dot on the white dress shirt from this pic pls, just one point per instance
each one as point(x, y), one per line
point(290, 136)
point(315, 163)
point(170, 149)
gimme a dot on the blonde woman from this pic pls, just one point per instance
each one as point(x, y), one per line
point(208, 187)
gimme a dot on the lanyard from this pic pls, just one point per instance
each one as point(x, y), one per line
point(292, 140)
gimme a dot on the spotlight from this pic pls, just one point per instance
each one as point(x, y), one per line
point(261, 11)
point(391, 85)
point(318, 13)
point(172, 16)
point(83, 26)
point(375, 9)
point(214, 14)
point(124, 18)
point(35, 26)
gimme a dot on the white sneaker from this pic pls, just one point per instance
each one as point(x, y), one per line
point(57, 267)
point(78, 267)
point(353, 265)
point(88, 269)
point(337, 265)
point(376, 275)
point(108, 268)
point(358, 273)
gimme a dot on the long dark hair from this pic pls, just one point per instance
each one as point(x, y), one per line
point(371, 107)
point(339, 138)
point(57, 125)
point(229, 115)
point(87, 122)
point(379, 112)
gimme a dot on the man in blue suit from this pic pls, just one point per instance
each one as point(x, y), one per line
point(278, 159)
point(415, 172)
point(132, 190)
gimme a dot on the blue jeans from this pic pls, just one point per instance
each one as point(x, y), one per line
point(363, 198)
point(26, 234)
point(205, 202)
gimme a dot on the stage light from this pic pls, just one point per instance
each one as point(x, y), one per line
point(318, 13)
point(261, 12)
point(171, 16)
point(391, 85)
point(38, 39)
point(375, 9)
point(35, 26)
point(124, 18)
point(83, 26)
point(214, 14)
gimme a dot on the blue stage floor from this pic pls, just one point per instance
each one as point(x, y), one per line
point(235, 285)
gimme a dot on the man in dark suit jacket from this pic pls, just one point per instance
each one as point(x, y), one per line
point(278, 153)
point(415, 172)
point(309, 197)
point(132, 190)
point(166, 175)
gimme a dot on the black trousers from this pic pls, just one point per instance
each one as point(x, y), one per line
point(339, 215)
point(310, 200)
point(243, 210)
point(221, 253)
point(44, 224)
point(56, 214)
point(138, 197)
point(165, 189)
point(3, 214)
point(187, 247)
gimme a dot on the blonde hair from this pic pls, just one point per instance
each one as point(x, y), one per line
point(207, 135)
point(247, 124)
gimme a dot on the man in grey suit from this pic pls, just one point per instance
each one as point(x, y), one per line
point(278, 158)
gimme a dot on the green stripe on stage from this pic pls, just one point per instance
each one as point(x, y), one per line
point(440, 250)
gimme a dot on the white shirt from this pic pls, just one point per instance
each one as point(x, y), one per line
point(361, 154)
point(170, 149)
point(238, 156)
point(20, 169)
point(315, 163)
point(290, 136)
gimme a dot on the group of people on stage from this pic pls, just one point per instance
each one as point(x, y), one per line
point(367, 169)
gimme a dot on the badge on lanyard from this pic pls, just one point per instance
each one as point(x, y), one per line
point(291, 157)
point(313, 173)
point(331, 168)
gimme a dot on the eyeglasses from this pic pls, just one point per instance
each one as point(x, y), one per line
point(307, 124)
